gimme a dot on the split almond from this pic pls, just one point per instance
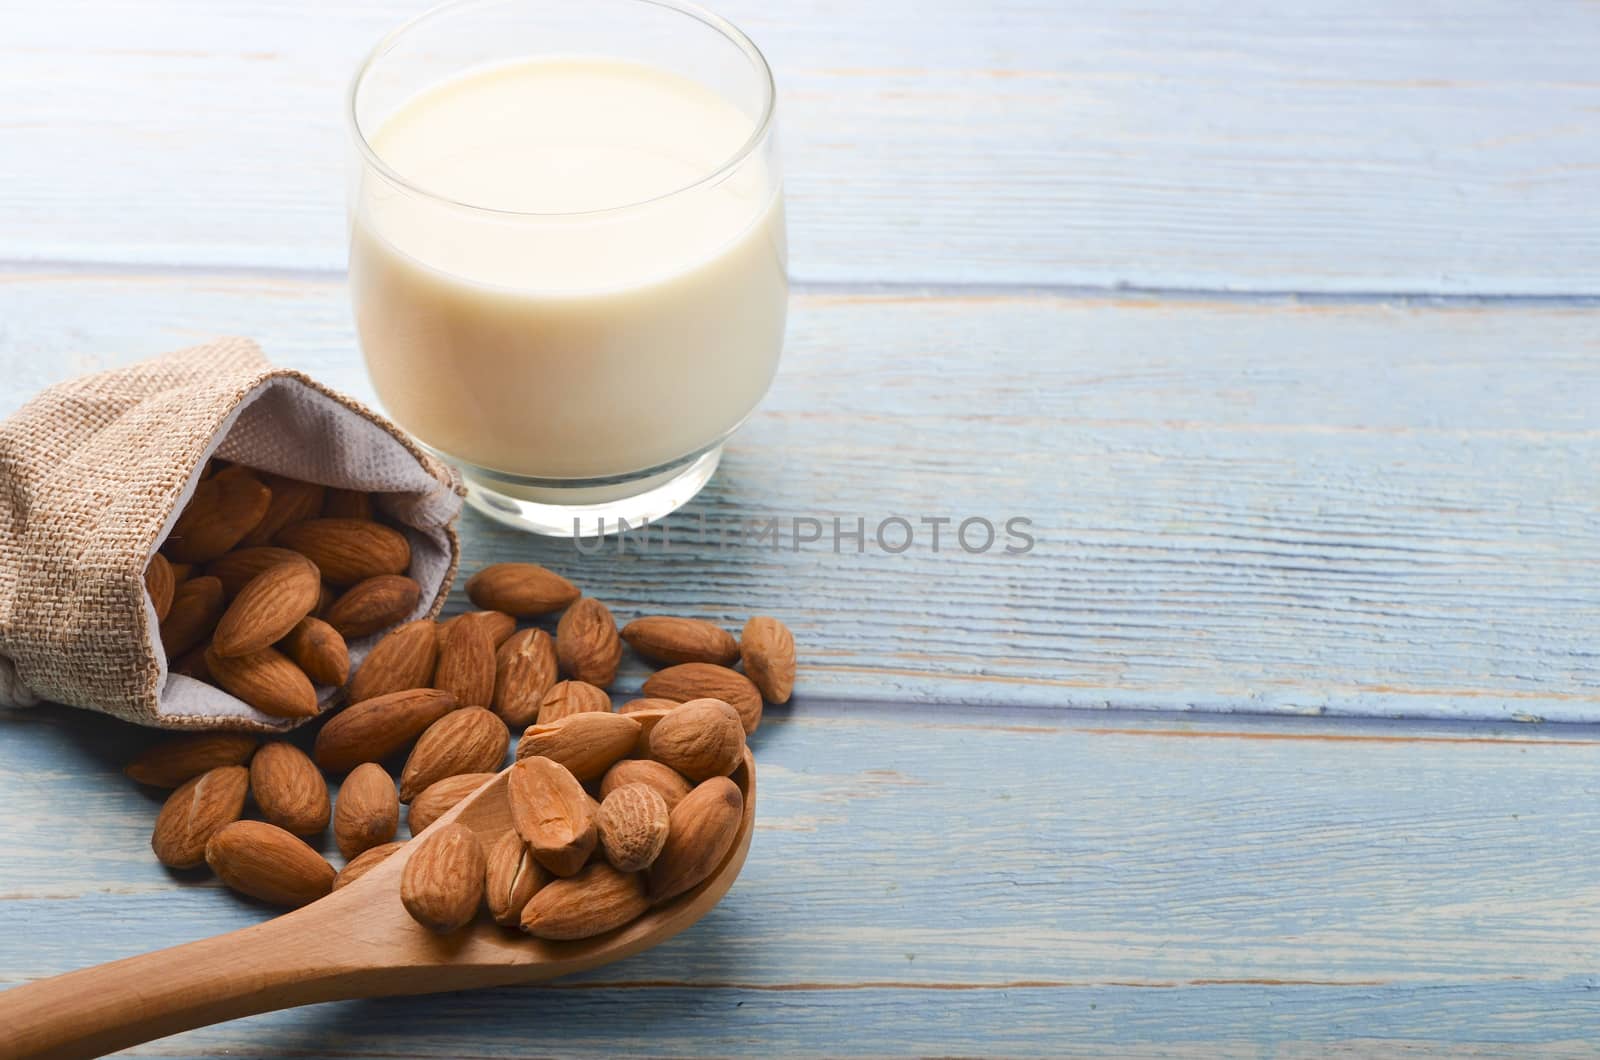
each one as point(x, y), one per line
point(265, 862)
point(222, 511)
point(666, 781)
point(159, 583)
point(364, 863)
point(441, 797)
point(196, 606)
point(664, 639)
point(348, 551)
point(267, 680)
point(466, 664)
point(520, 589)
point(199, 807)
point(373, 605)
point(317, 648)
point(632, 823)
point(648, 713)
point(552, 813)
point(704, 681)
point(442, 882)
point(767, 648)
point(374, 729)
point(587, 644)
point(403, 659)
point(367, 812)
point(267, 608)
point(470, 740)
point(511, 878)
point(289, 789)
point(701, 739)
point(700, 833)
point(566, 698)
point(596, 900)
point(178, 758)
point(525, 671)
point(587, 744)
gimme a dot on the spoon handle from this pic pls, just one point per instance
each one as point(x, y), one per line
point(257, 969)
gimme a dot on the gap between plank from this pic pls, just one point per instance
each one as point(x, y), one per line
point(907, 288)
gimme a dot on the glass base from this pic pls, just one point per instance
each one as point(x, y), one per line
point(588, 509)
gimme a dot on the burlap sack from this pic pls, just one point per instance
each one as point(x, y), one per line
point(93, 473)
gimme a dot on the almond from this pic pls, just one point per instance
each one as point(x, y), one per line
point(292, 501)
point(376, 728)
point(159, 583)
point(703, 681)
point(178, 758)
point(267, 608)
point(701, 739)
point(289, 789)
point(265, 862)
point(497, 624)
point(587, 644)
point(511, 877)
point(373, 605)
point(196, 606)
point(466, 664)
point(470, 740)
point(222, 511)
point(317, 648)
point(347, 504)
point(181, 572)
point(700, 832)
point(553, 813)
point(442, 882)
point(348, 551)
point(587, 744)
point(767, 648)
point(632, 823)
point(364, 863)
point(441, 797)
point(647, 712)
point(520, 589)
point(367, 813)
point(199, 807)
point(192, 663)
point(239, 567)
point(679, 640)
point(597, 900)
point(403, 659)
point(572, 697)
point(266, 680)
point(525, 671)
point(665, 780)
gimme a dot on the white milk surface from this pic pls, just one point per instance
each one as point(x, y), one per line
point(537, 313)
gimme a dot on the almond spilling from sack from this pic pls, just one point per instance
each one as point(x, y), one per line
point(611, 809)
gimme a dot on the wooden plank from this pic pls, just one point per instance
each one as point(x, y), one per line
point(1316, 145)
point(943, 882)
point(1281, 508)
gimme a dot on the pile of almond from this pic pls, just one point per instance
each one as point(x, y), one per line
point(613, 809)
point(263, 579)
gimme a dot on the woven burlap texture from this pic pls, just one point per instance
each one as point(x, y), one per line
point(94, 471)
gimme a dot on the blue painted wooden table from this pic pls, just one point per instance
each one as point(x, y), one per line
point(1278, 325)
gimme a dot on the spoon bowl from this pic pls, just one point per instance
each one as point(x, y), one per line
point(358, 941)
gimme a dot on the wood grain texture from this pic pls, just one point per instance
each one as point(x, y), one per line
point(1318, 145)
point(1276, 507)
point(1128, 884)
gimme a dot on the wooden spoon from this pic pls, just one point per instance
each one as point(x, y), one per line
point(357, 942)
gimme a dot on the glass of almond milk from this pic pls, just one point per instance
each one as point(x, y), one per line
point(567, 251)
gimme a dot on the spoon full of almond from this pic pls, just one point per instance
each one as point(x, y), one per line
point(362, 940)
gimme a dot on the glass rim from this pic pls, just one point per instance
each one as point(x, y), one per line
point(710, 19)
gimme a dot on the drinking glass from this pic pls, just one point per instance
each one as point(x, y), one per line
point(579, 352)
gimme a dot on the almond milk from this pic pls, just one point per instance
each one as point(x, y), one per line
point(572, 297)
